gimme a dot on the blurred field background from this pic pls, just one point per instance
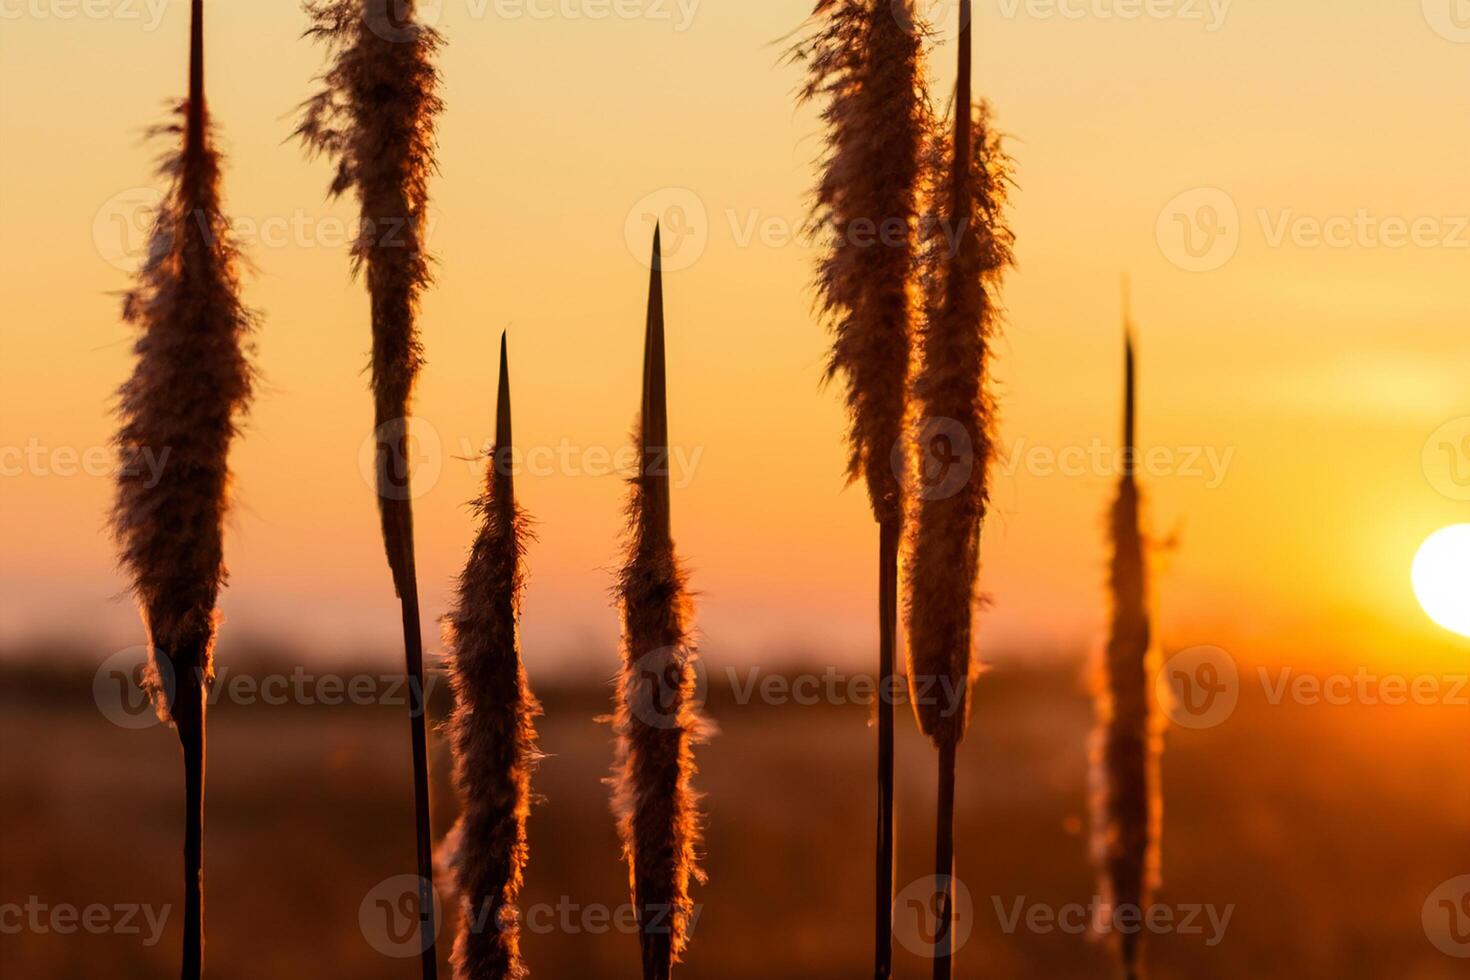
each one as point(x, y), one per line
point(1325, 827)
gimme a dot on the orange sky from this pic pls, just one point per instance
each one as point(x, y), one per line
point(1311, 365)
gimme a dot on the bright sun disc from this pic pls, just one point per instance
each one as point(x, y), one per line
point(1441, 576)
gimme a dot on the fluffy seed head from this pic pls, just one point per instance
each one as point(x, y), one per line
point(180, 409)
point(968, 247)
point(656, 719)
point(863, 59)
point(1126, 803)
point(492, 728)
point(374, 115)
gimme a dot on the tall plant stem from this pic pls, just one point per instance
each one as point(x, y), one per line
point(413, 650)
point(888, 538)
point(944, 803)
point(189, 719)
point(189, 703)
point(944, 862)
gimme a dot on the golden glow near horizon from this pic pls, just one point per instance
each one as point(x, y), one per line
point(1284, 183)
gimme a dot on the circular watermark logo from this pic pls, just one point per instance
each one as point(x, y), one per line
point(122, 692)
point(123, 225)
point(683, 223)
point(925, 17)
point(918, 915)
point(1446, 458)
point(946, 458)
point(1199, 230)
point(390, 917)
point(1198, 687)
point(412, 457)
point(659, 691)
point(402, 20)
point(1446, 917)
point(1450, 19)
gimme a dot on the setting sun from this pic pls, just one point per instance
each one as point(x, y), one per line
point(1441, 575)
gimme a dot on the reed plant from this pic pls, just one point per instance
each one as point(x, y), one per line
point(656, 718)
point(864, 64)
point(375, 115)
point(492, 728)
point(968, 249)
point(190, 386)
point(1127, 805)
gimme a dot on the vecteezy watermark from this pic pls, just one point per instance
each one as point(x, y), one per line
point(1200, 230)
point(1446, 917)
point(664, 685)
point(1450, 19)
point(928, 17)
point(38, 459)
point(390, 921)
point(405, 458)
point(125, 683)
point(683, 224)
point(124, 686)
point(946, 458)
point(679, 14)
point(390, 916)
point(1102, 459)
point(1363, 229)
point(1209, 13)
point(402, 21)
point(122, 229)
point(754, 685)
point(1101, 917)
point(1198, 687)
point(918, 916)
point(568, 917)
point(567, 458)
point(1364, 687)
point(1446, 458)
point(147, 13)
point(687, 227)
point(401, 459)
point(40, 917)
point(123, 224)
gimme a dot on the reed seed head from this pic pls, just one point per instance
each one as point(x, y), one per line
point(182, 405)
point(656, 719)
point(492, 728)
point(863, 59)
point(1127, 806)
point(968, 247)
point(375, 115)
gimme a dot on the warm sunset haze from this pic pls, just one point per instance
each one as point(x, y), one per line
point(1312, 377)
point(1245, 668)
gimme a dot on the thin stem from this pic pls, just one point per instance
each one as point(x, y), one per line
point(418, 725)
point(963, 211)
point(189, 718)
point(888, 535)
point(944, 861)
point(194, 130)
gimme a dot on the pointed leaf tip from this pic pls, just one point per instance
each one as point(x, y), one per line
point(502, 402)
point(501, 461)
point(654, 422)
point(1129, 391)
